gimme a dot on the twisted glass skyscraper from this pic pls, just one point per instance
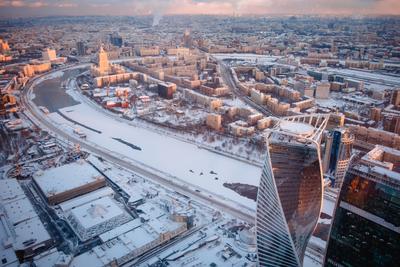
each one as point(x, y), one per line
point(290, 194)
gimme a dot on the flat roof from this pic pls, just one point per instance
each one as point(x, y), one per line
point(138, 237)
point(97, 212)
point(126, 243)
point(122, 229)
point(151, 209)
point(32, 229)
point(19, 210)
point(67, 177)
point(10, 190)
point(164, 224)
point(116, 248)
point(86, 198)
point(87, 259)
point(51, 258)
point(6, 252)
point(297, 128)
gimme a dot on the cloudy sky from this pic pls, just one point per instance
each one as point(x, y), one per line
point(10, 8)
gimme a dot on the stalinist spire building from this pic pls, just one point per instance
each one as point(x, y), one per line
point(102, 60)
point(103, 66)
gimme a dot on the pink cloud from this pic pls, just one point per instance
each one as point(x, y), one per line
point(223, 7)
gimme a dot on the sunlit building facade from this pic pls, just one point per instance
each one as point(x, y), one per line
point(290, 194)
point(338, 151)
point(366, 224)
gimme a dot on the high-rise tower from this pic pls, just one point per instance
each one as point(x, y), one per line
point(366, 223)
point(187, 39)
point(81, 48)
point(338, 151)
point(102, 60)
point(290, 194)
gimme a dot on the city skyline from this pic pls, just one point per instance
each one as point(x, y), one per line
point(204, 140)
point(33, 8)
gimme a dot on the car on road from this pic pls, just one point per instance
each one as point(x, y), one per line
point(44, 110)
point(79, 133)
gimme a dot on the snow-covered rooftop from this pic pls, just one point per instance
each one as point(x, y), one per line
point(122, 229)
point(97, 212)
point(19, 210)
point(30, 230)
point(67, 177)
point(86, 198)
point(10, 190)
point(52, 258)
point(7, 251)
point(129, 244)
point(297, 128)
point(150, 210)
point(20, 226)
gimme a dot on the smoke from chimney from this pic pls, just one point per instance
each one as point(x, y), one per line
point(157, 16)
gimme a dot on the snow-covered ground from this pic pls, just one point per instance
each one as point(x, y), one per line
point(177, 159)
point(164, 153)
point(250, 58)
point(372, 79)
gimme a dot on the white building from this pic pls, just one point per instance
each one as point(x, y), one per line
point(20, 227)
point(96, 217)
point(130, 244)
point(68, 181)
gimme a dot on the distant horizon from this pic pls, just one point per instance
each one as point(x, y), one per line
point(46, 8)
point(283, 15)
point(220, 15)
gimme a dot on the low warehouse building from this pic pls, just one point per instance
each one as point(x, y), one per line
point(68, 181)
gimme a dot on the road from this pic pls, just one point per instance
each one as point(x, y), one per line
point(39, 118)
point(226, 75)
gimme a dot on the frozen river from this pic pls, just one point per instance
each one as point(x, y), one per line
point(182, 160)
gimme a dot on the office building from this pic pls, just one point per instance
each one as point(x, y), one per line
point(49, 54)
point(214, 121)
point(366, 224)
point(116, 40)
point(395, 99)
point(290, 193)
point(81, 48)
point(166, 90)
point(338, 151)
point(322, 90)
point(187, 39)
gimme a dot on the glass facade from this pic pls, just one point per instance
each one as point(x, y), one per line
point(366, 227)
point(340, 154)
point(336, 140)
point(288, 203)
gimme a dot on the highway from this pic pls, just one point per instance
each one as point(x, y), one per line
point(228, 79)
point(39, 118)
